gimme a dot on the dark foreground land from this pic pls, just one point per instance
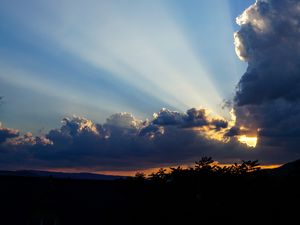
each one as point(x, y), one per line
point(202, 195)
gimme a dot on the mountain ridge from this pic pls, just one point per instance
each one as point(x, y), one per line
point(62, 175)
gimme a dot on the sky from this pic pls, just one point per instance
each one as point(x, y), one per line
point(96, 58)
point(134, 85)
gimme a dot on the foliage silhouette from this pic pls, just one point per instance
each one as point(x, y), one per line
point(160, 176)
point(206, 163)
point(206, 166)
point(140, 176)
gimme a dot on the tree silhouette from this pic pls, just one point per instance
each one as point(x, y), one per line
point(159, 176)
point(250, 166)
point(246, 167)
point(204, 167)
point(206, 163)
point(140, 176)
point(176, 169)
point(177, 173)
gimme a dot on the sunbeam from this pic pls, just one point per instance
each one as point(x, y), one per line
point(151, 52)
point(142, 56)
point(137, 42)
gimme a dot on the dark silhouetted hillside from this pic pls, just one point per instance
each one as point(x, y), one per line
point(80, 176)
point(289, 169)
point(203, 194)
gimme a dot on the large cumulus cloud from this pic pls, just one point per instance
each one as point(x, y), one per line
point(123, 142)
point(267, 100)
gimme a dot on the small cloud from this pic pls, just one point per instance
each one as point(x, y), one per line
point(6, 133)
point(28, 140)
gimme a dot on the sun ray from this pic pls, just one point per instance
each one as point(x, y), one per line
point(153, 53)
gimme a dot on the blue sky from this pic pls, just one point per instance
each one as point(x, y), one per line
point(96, 58)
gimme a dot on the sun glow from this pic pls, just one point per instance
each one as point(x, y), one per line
point(220, 135)
point(249, 141)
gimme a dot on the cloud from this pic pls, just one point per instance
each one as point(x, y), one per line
point(167, 117)
point(233, 131)
point(267, 100)
point(6, 133)
point(192, 118)
point(28, 140)
point(123, 142)
point(219, 124)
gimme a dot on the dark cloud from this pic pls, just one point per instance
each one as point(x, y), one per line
point(152, 130)
point(219, 124)
point(195, 118)
point(122, 142)
point(233, 131)
point(267, 100)
point(6, 133)
point(192, 118)
point(167, 117)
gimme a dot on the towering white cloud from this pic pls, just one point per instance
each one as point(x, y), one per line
point(267, 100)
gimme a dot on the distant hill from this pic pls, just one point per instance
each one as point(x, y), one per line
point(289, 169)
point(79, 176)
